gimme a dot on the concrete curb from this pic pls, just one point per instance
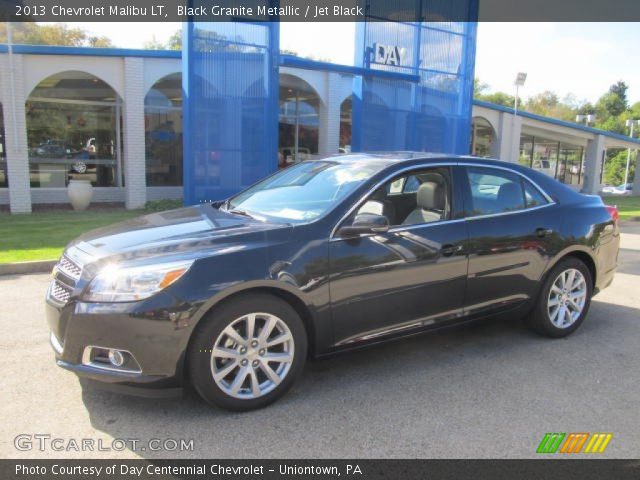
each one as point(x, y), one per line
point(22, 268)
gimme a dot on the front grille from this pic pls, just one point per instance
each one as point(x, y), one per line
point(59, 292)
point(69, 268)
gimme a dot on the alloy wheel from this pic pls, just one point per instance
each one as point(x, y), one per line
point(252, 355)
point(567, 298)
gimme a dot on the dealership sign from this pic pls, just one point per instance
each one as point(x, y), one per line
point(387, 54)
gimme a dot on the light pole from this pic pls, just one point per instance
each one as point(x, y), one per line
point(521, 77)
point(519, 82)
point(586, 119)
point(629, 123)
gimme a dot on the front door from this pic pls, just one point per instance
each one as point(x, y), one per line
point(407, 278)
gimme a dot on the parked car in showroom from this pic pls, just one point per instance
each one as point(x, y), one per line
point(328, 255)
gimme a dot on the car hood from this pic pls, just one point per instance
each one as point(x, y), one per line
point(184, 233)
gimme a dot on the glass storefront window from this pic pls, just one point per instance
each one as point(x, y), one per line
point(346, 119)
point(4, 177)
point(73, 131)
point(298, 123)
point(163, 132)
point(558, 160)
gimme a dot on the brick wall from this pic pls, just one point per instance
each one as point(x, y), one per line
point(133, 134)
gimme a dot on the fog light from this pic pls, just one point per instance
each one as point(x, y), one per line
point(116, 358)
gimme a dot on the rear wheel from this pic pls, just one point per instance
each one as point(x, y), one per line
point(564, 299)
point(248, 353)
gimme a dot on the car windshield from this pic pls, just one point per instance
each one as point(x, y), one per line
point(305, 191)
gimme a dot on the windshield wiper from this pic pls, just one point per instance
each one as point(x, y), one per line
point(237, 211)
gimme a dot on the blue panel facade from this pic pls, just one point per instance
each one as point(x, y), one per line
point(430, 110)
point(230, 89)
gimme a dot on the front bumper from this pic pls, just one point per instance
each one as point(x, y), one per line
point(154, 332)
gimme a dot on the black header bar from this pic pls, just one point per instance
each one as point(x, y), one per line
point(320, 10)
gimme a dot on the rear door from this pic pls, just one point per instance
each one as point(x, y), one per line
point(409, 277)
point(513, 229)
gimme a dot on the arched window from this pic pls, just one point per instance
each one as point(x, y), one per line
point(163, 132)
point(298, 120)
point(483, 138)
point(346, 120)
point(73, 131)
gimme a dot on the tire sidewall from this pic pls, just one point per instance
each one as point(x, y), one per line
point(211, 327)
point(543, 322)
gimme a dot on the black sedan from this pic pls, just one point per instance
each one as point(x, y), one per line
point(327, 255)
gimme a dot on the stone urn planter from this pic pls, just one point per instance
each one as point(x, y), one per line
point(80, 193)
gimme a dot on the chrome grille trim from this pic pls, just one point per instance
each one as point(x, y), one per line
point(68, 268)
point(59, 292)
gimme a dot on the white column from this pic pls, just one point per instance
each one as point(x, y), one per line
point(133, 135)
point(592, 165)
point(510, 129)
point(329, 121)
point(636, 182)
point(12, 96)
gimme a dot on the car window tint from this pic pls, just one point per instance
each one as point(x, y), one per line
point(419, 197)
point(494, 191)
point(532, 195)
point(412, 184)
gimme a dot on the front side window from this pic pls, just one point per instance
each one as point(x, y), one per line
point(413, 198)
point(305, 191)
point(494, 191)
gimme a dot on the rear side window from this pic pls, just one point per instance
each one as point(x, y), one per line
point(532, 195)
point(494, 191)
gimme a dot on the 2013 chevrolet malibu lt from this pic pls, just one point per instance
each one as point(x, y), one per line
point(233, 297)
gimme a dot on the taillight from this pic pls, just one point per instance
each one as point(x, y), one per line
point(613, 211)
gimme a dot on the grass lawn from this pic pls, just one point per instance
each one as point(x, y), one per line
point(629, 207)
point(43, 235)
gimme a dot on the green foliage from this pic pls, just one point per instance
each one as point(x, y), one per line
point(30, 33)
point(173, 43)
point(161, 205)
point(615, 166)
point(549, 105)
point(499, 98)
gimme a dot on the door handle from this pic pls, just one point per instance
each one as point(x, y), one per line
point(543, 232)
point(449, 249)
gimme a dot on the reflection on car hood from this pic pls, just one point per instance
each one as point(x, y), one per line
point(186, 232)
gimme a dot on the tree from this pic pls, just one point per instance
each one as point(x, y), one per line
point(154, 44)
point(479, 87)
point(614, 102)
point(499, 98)
point(29, 33)
point(175, 41)
point(615, 166)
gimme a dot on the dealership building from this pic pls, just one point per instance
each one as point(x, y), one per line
point(117, 118)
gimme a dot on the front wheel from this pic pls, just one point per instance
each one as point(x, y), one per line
point(248, 353)
point(564, 299)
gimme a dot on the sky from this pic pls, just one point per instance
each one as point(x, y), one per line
point(581, 59)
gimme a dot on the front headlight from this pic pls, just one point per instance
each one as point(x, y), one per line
point(114, 284)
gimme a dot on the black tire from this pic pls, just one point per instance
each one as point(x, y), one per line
point(212, 326)
point(539, 319)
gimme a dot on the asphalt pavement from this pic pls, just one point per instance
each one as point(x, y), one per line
point(491, 389)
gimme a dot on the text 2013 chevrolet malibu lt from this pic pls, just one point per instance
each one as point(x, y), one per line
point(327, 255)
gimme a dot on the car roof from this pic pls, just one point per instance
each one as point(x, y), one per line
point(407, 156)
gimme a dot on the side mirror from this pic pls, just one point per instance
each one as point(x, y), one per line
point(365, 223)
